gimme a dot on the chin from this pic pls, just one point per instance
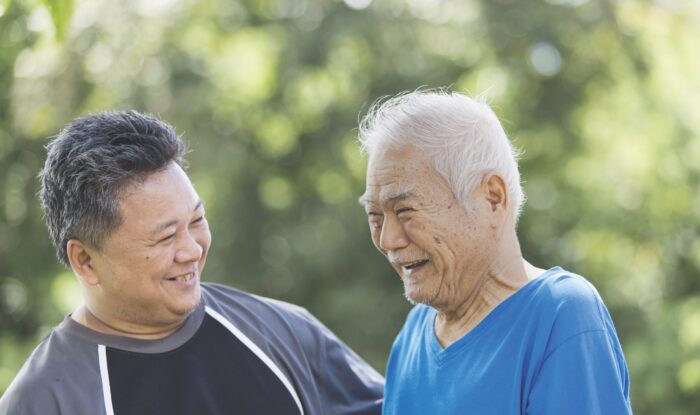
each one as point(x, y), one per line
point(194, 301)
point(417, 295)
point(187, 305)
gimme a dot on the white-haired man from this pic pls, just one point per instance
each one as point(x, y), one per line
point(490, 333)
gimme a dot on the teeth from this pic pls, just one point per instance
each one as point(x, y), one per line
point(185, 277)
point(415, 263)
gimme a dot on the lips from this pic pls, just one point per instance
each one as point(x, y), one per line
point(183, 277)
point(413, 266)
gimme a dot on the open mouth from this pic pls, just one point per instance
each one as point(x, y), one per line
point(412, 266)
point(182, 278)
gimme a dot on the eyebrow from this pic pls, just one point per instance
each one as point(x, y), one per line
point(161, 227)
point(392, 197)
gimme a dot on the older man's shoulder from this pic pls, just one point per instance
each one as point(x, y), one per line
point(560, 285)
point(571, 299)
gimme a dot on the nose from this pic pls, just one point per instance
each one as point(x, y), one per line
point(189, 249)
point(393, 236)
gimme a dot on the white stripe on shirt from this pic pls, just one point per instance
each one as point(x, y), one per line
point(259, 353)
point(104, 373)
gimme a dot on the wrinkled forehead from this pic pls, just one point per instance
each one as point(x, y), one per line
point(396, 174)
point(383, 195)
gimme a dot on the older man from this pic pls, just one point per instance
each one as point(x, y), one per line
point(490, 333)
point(149, 338)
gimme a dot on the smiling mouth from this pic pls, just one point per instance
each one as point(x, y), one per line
point(182, 278)
point(411, 266)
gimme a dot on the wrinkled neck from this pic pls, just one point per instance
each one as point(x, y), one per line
point(491, 290)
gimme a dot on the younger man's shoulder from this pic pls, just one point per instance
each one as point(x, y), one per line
point(237, 304)
point(54, 373)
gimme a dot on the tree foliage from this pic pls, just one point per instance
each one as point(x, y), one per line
point(599, 94)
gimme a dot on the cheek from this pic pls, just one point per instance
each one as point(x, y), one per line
point(203, 238)
point(205, 242)
point(152, 259)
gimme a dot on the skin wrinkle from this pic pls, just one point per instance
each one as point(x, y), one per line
point(491, 291)
point(474, 256)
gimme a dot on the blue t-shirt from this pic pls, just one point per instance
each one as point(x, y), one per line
point(550, 348)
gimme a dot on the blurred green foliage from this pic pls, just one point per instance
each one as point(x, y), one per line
point(601, 95)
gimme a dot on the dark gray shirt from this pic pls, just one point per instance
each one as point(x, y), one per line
point(235, 354)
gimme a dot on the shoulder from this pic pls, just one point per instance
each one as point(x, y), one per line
point(569, 305)
point(561, 285)
point(263, 318)
point(44, 377)
point(563, 292)
point(26, 383)
point(233, 301)
point(37, 368)
point(284, 329)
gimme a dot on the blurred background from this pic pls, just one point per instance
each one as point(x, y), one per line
point(600, 95)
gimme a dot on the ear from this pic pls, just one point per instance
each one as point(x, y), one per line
point(495, 190)
point(80, 258)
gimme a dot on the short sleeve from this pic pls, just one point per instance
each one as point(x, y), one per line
point(585, 375)
point(25, 399)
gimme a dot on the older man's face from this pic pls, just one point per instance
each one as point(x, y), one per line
point(149, 267)
point(440, 249)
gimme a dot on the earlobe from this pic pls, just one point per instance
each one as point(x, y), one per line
point(80, 259)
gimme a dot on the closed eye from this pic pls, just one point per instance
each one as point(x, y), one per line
point(167, 238)
point(404, 210)
point(198, 220)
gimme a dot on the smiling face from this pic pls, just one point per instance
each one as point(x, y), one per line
point(147, 272)
point(440, 249)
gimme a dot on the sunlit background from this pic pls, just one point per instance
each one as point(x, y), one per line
point(600, 95)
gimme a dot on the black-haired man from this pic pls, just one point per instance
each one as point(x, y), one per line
point(149, 338)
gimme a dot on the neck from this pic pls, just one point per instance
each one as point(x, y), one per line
point(83, 315)
point(492, 289)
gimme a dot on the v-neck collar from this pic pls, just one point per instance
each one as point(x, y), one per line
point(442, 355)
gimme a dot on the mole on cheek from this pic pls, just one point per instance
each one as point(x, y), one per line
point(147, 257)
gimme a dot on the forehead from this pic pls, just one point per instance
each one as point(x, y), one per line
point(399, 173)
point(162, 195)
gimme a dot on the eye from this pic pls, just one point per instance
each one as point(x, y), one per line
point(168, 238)
point(198, 220)
point(404, 210)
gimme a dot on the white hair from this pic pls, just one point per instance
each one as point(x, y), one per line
point(461, 136)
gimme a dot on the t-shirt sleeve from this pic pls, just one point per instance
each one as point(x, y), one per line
point(23, 398)
point(347, 384)
point(583, 375)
